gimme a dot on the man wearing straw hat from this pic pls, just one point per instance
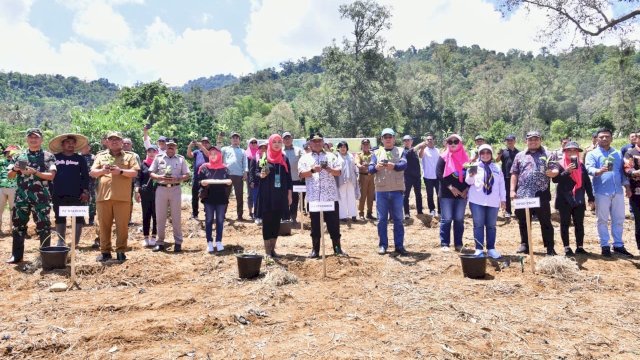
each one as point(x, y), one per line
point(7, 186)
point(33, 170)
point(71, 187)
point(114, 170)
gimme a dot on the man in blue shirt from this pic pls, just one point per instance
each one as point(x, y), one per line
point(235, 159)
point(199, 156)
point(606, 166)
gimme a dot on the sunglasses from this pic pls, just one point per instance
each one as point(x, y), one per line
point(253, 142)
point(453, 142)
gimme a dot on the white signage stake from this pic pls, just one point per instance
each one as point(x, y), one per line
point(321, 207)
point(73, 212)
point(526, 204)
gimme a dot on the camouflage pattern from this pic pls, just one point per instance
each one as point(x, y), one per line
point(32, 196)
point(92, 187)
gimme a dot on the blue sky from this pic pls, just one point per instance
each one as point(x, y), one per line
point(129, 41)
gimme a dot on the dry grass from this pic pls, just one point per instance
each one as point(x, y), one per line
point(278, 276)
point(559, 267)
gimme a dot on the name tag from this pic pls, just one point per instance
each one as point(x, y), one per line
point(526, 203)
point(319, 206)
point(64, 211)
point(299, 188)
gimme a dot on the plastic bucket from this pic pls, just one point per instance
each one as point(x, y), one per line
point(473, 267)
point(54, 257)
point(249, 265)
point(285, 228)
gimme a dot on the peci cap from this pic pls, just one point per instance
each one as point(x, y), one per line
point(388, 131)
point(285, 134)
point(34, 131)
point(572, 145)
point(407, 137)
point(532, 134)
point(509, 137)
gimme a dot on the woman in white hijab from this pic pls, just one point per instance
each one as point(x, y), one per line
point(348, 187)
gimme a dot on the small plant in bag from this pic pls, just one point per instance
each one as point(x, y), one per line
point(609, 163)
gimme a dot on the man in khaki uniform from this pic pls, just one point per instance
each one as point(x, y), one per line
point(114, 170)
point(169, 170)
point(367, 184)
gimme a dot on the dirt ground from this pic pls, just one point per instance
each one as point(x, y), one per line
point(193, 305)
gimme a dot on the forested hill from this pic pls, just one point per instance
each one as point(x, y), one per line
point(438, 88)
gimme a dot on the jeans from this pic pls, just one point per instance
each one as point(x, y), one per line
point(417, 190)
point(254, 200)
point(214, 211)
point(390, 202)
point(634, 202)
point(610, 205)
point(452, 211)
point(195, 187)
point(432, 186)
point(577, 213)
point(484, 219)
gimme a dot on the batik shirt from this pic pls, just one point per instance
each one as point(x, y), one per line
point(32, 189)
point(321, 186)
point(532, 181)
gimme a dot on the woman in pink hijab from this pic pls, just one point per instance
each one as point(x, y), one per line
point(453, 191)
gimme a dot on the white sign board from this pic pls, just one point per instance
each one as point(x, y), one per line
point(299, 188)
point(318, 206)
point(526, 203)
point(64, 211)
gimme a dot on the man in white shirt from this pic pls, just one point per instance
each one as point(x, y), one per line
point(429, 155)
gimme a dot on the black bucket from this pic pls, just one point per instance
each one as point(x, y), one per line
point(473, 267)
point(285, 228)
point(54, 257)
point(249, 265)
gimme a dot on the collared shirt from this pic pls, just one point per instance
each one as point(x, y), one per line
point(412, 171)
point(610, 182)
point(198, 160)
point(114, 187)
point(5, 182)
point(320, 186)
point(235, 160)
point(32, 189)
point(430, 158)
point(532, 181)
point(364, 159)
point(176, 163)
point(294, 154)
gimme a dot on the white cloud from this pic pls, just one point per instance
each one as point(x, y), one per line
point(97, 20)
point(177, 58)
point(28, 50)
point(15, 11)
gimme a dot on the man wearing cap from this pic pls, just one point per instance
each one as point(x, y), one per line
point(505, 157)
point(319, 169)
point(162, 141)
point(237, 164)
point(429, 155)
point(365, 180)
point(388, 163)
point(89, 158)
point(200, 156)
point(294, 154)
point(33, 170)
point(7, 186)
point(606, 166)
point(71, 186)
point(169, 171)
point(114, 170)
point(530, 176)
point(479, 140)
point(411, 176)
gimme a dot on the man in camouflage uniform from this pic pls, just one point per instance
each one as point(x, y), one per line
point(33, 170)
point(89, 158)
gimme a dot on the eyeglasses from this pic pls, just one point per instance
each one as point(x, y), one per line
point(253, 142)
point(453, 142)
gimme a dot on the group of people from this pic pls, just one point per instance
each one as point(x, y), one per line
point(32, 180)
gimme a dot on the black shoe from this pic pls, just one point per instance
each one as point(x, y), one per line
point(581, 251)
point(622, 251)
point(401, 252)
point(96, 244)
point(371, 217)
point(91, 223)
point(104, 257)
point(158, 248)
point(353, 218)
point(606, 251)
point(13, 260)
point(551, 252)
point(344, 221)
point(523, 249)
point(568, 252)
point(407, 216)
point(177, 248)
point(121, 256)
point(314, 254)
point(338, 251)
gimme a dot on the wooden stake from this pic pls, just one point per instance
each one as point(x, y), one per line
point(324, 260)
point(532, 260)
point(301, 207)
point(73, 253)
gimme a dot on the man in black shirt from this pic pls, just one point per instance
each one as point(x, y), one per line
point(71, 185)
point(505, 157)
point(411, 176)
